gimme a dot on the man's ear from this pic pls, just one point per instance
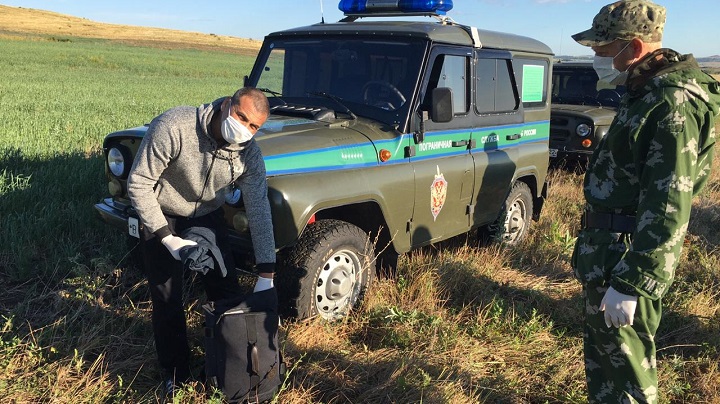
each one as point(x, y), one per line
point(225, 104)
point(638, 47)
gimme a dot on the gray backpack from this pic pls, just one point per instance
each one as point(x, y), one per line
point(242, 355)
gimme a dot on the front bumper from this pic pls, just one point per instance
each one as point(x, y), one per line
point(115, 212)
point(571, 155)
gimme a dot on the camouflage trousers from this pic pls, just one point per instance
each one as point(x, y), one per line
point(620, 365)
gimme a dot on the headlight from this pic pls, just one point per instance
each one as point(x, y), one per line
point(119, 161)
point(116, 162)
point(233, 196)
point(583, 130)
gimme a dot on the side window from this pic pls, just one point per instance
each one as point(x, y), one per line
point(532, 76)
point(495, 89)
point(451, 71)
point(506, 98)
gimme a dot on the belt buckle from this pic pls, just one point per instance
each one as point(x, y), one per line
point(583, 219)
point(611, 222)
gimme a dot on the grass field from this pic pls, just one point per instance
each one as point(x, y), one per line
point(458, 324)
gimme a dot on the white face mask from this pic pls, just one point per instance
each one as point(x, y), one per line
point(605, 68)
point(233, 131)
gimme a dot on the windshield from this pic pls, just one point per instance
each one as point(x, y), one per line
point(580, 86)
point(371, 77)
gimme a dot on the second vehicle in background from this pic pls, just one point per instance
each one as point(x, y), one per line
point(582, 110)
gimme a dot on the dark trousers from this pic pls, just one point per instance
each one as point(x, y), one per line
point(165, 280)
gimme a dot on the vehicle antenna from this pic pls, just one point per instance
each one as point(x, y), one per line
point(322, 16)
point(561, 39)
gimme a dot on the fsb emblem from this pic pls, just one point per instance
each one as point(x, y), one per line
point(438, 194)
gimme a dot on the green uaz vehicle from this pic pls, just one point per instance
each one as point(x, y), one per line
point(384, 136)
point(582, 110)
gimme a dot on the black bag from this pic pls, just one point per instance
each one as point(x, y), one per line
point(242, 355)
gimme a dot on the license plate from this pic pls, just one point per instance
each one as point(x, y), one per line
point(553, 152)
point(133, 227)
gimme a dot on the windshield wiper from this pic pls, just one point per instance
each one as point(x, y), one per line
point(267, 90)
point(337, 100)
point(274, 93)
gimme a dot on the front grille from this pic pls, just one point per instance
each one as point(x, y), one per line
point(562, 132)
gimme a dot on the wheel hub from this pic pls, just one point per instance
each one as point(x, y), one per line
point(515, 222)
point(339, 286)
point(335, 288)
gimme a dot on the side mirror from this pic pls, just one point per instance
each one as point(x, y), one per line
point(442, 105)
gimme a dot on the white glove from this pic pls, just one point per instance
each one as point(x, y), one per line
point(174, 244)
point(263, 284)
point(619, 308)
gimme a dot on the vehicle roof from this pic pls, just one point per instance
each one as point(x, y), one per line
point(574, 64)
point(446, 33)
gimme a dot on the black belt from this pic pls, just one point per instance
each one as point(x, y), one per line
point(609, 221)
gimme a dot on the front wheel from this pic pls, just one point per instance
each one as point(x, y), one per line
point(328, 270)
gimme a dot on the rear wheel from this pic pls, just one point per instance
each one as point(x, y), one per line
point(514, 223)
point(518, 214)
point(327, 272)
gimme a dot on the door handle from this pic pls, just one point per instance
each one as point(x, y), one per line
point(459, 143)
point(513, 137)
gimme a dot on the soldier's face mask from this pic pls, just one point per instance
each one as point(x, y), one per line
point(233, 131)
point(605, 68)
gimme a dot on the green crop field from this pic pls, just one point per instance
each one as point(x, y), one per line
point(57, 102)
point(457, 324)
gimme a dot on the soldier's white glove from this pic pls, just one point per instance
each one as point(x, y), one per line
point(175, 243)
point(619, 308)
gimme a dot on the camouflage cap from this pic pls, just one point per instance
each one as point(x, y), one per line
point(626, 20)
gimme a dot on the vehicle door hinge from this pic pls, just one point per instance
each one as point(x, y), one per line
point(470, 209)
point(409, 151)
point(408, 227)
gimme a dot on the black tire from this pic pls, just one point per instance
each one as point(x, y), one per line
point(514, 222)
point(327, 272)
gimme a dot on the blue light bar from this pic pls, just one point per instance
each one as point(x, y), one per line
point(369, 7)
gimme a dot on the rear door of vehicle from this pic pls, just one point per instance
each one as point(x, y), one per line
point(497, 132)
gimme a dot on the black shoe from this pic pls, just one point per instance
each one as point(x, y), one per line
point(172, 382)
point(168, 388)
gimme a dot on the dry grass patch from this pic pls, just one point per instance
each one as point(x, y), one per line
point(17, 22)
point(455, 325)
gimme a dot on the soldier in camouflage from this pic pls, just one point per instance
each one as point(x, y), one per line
point(639, 188)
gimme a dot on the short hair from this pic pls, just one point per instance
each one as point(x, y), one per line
point(260, 101)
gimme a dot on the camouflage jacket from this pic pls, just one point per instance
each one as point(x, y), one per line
point(656, 156)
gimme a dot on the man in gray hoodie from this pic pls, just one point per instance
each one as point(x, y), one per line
point(186, 161)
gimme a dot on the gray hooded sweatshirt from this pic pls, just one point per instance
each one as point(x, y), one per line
point(180, 170)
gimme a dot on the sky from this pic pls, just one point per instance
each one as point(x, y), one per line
point(692, 25)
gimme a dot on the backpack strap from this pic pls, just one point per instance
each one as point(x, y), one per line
point(211, 353)
point(253, 352)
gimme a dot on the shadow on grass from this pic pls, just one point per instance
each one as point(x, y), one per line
point(388, 376)
point(466, 287)
point(48, 223)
